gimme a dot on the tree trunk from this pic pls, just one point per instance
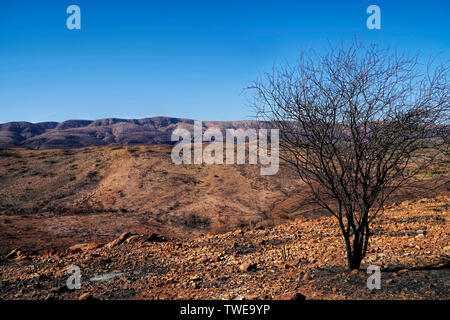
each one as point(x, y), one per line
point(354, 261)
point(354, 254)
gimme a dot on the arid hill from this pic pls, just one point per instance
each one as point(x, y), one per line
point(51, 199)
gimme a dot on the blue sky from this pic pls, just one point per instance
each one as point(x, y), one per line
point(136, 59)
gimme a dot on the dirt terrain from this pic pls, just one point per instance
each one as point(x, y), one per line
point(304, 258)
point(140, 227)
point(51, 199)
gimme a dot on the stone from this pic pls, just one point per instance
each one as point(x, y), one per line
point(248, 266)
point(132, 238)
point(49, 297)
point(195, 285)
point(204, 260)
point(84, 247)
point(119, 240)
point(307, 277)
point(389, 281)
point(85, 296)
point(195, 278)
point(13, 254)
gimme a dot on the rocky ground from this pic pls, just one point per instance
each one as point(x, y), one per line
point(410, 243)
point(52, 199)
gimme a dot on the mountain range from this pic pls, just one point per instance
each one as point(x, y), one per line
point(84, 133)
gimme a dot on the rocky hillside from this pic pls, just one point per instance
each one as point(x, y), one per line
point(83, 133)
point(53, 198)
point(304, 258)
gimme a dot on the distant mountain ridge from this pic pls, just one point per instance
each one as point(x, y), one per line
point(84, 133)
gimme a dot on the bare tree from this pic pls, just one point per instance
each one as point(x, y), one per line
point(357, 123)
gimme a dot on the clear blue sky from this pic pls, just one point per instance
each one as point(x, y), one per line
point(135, 59)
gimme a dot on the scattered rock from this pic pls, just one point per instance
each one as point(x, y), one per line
point(22, 257)
point(133, 238)
point(248, 266)
point(176, 269)
point(204, 260)
point(195, 278)
point(85, 296)
point(447, 250)
point(84, 247)
point(119, 240)
point(195, 285)
point(13, 254)
point(49, 297)
point(292, 296)
point(307, 277)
